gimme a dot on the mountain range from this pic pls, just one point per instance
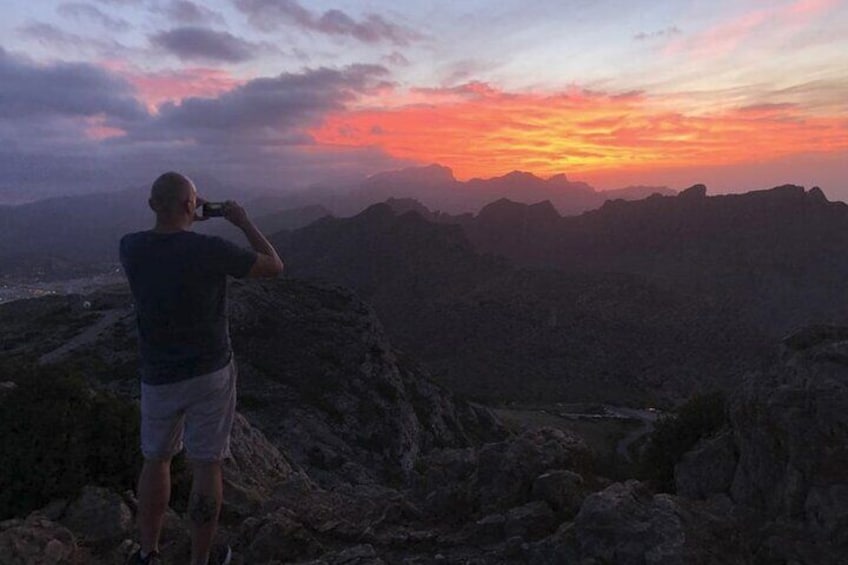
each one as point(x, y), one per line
point(44, 236)
point(494, 331)
point(774, 255)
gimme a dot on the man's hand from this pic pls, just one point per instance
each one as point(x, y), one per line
point(268, 263)
point(235, 214)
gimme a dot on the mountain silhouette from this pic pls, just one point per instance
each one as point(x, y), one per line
point(772, 254)
point(437, 188)
point(493, 331)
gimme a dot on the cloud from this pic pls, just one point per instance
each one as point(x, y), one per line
point(67, 42)
point(158, 87)
point(202, 44)
point(265, 111)
point(63, 89)
point(186, 12)
point(659, 34)
point(396, 58)
point(781, 21)
point(81, 11)
point(269, 15)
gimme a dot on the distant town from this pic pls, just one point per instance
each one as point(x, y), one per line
point(19, 287)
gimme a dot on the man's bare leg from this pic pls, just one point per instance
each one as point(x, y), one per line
point(203, 508)
point(154, 492)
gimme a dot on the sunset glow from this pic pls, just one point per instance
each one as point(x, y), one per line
point(482, 132)
point(728, 93)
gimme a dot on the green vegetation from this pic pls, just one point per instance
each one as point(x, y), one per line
point(675, 434)
point(58, 436)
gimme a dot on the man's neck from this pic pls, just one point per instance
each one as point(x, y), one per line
point(166, 227)
point(170, 226)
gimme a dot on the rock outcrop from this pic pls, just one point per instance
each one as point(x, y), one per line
point(783, 461)
point(320, 378)
point(790, 425)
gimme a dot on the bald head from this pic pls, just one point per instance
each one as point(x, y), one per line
point(169, 194)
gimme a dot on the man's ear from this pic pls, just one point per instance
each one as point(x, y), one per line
point(152, 206)
point(187, 208)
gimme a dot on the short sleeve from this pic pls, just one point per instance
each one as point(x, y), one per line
point(228, 258)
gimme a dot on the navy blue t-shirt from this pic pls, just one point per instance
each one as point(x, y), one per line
point(179, 283)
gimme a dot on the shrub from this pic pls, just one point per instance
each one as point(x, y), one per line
point(675, 434)
point(57, 436)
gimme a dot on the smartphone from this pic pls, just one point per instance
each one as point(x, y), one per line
point(213, 209)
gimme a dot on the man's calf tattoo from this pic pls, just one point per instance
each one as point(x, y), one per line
point(201, 509)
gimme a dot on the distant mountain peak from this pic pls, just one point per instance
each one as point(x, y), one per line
point(433, 174)
point(696, 191)
point(404, 205)
point(519, 174)
point(817, 195)
point(505, 209)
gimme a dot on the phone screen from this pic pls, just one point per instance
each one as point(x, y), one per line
point(211, 209)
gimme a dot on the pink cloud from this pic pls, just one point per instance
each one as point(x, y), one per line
point(96, 128)
point(156, 88)
point(726, 37)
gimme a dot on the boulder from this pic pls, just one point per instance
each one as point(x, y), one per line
point(507, 470)
point(562, 490)
point(36, 541)
point(531, 521)
point(708, 468)
point(98, 514)
point(627, 524)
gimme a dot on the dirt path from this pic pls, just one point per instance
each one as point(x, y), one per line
point(89, 335)
point(647, 418)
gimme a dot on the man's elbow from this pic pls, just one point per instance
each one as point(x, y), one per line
point(265, 268)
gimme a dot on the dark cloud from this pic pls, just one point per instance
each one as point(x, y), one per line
point(66, 89)
point(269, 15)
point(186, 12)
point(272, 111)
point(659, 34)
point(202, 44)
point(81, 11)
point(254, 135)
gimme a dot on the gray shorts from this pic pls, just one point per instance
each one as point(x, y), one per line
point(198, 410)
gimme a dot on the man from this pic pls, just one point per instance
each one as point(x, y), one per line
point(178, 280)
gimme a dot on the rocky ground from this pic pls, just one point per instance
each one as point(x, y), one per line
point(346, 453)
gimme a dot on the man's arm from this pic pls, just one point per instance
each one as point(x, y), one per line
point(268, 263)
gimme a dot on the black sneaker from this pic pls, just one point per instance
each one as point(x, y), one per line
point(220, 555)
point(153, 558)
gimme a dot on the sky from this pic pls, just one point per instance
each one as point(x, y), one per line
point(283, 94)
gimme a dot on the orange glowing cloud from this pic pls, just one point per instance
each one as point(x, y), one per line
point(480, 131)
